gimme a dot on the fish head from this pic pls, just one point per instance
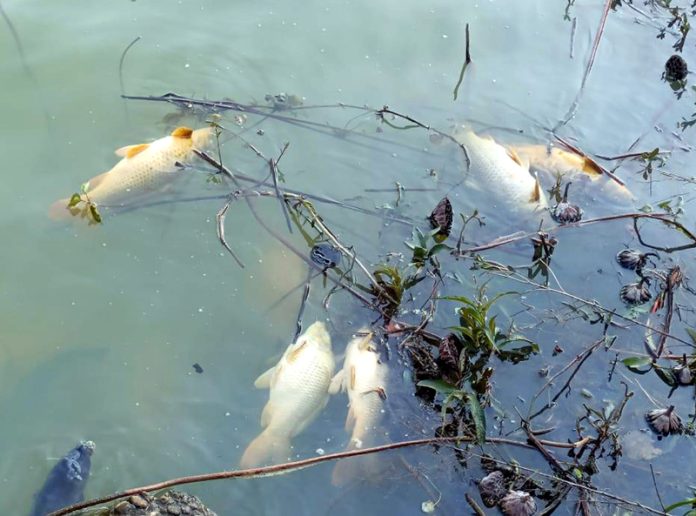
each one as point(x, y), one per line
point(318, 335)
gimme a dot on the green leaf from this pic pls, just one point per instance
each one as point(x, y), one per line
point(666, 376)
point(692, 334)
point(479, 418)
point(439, 386)
point(636, 364)
point(74, 200)
point(96, 216)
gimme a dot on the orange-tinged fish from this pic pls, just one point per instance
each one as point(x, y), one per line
point(145, 168)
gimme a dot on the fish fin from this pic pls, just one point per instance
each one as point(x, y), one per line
point(352, 378)
point(297, 350)
point(182, 132)
point(350, 419)
point(265, 379)
point(267, 414)
point(201, 138)
point(337, 383)
point(366, 467)
point(267, 446)
point(96, 181)
point(591, 168)
point(131, 150)
point(514, 156)
point(536, 192)
point(59, 210)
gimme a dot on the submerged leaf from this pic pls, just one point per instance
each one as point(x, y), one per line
point(74, 200)
point(439, 386)
point(479, 418)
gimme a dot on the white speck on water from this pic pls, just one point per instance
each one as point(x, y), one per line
point(444, 36)
point(227, 414)
point(320, 451)
point(137, 403)
point(200, 310)
point(187, 65)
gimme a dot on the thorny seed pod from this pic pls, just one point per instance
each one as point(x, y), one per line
point(664, 421)
point(441, 217)
point(492, 488)
point(325, 255)
point(544, 245)
point(518, 503)
point(633, 259)
point(565, 212)
point(635, 293)
point(676, 68)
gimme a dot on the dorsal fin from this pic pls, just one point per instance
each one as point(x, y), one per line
point(182, 132)
point(536, 192)
point(131, 150)
point(591, 167)
point(292, 356)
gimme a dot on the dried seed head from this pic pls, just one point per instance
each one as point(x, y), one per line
point(448, 358)
point(664, 421)
point(683, 374)
point(631, 259)
point(518, 503)
point(441, 217)
point(676, 68)
point(492, 488)
point(566, 213)
point(635, 293)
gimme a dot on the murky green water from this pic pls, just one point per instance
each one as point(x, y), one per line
point(100, 326)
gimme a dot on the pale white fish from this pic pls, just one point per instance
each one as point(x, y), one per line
point(496, 170)
point(364, 377)
point(145, 168)
point(299, 390)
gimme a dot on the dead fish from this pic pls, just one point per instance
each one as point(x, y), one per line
point(145, 167)
point(570, 165)
point(364, 377)
point(65, 484)
point(299, 390)
point(502, 172)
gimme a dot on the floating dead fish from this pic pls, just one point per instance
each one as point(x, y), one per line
point(364, 377)
point(299, 390)
point(500, 171)
point(65, 484)
point(145, 168)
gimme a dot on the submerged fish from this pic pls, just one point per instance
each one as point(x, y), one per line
point(500, 171)
point(364, 377)
point(65, 484)
point(299, 390)
point(145, 168)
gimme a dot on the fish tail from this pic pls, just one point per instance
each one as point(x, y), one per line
point(59, 210)
point(267, 446)
point(366, 467)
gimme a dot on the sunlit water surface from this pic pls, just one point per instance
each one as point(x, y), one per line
point(100, 326)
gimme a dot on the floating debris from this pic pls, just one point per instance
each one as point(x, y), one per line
point(197, 367)
point(636, 293)
point(441, 217)
point(448, 358)
point(565, 212)
point(664, 421)
point(492, 488)
point(172, 502)
point(633, 259)
point(683, 374)
point(518, 503)
point(676, 68)
point(325, 255)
